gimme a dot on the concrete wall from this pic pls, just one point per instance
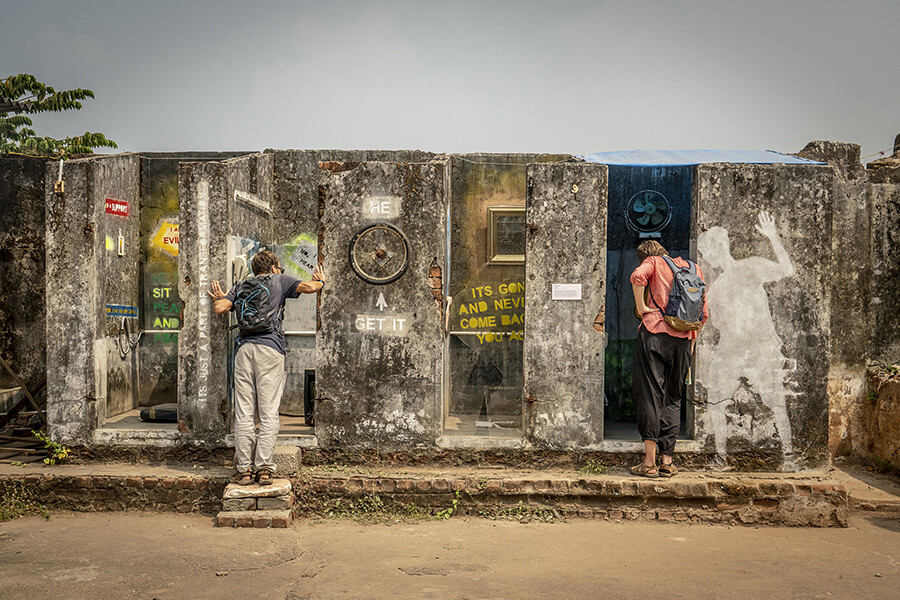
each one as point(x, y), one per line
point(116, 189)
point(216, 205)
point(82, 278)
point(23, 339)
point(563, 354)
point(379, 350)
point(297, 178)
point(484, 354)
point(800, 306)
point(865, 285)
point(763, 358)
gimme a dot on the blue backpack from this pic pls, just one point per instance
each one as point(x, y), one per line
point(684, 311)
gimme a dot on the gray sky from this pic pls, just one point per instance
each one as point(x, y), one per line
point(460, 76)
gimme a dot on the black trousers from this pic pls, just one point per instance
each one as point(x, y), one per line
point(661, 363)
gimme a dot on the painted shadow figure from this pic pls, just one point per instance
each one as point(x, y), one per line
point(749, 349)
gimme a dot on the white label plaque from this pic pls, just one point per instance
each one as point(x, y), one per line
point(567, 291)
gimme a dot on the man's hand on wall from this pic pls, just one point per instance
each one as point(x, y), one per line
point(215, 291)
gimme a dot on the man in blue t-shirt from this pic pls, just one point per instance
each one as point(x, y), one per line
point(259, 370)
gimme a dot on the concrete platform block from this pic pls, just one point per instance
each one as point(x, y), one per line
point(276, 503)
point(239, 504)
point(287, 460)
point(278, 487)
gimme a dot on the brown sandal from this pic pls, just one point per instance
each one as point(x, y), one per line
point(668, 470)
point(243, 477)
point(643, 470)
point(264, 477)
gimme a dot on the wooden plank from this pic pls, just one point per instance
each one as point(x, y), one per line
point(12, 438)
point(7, 417)
point(22, 385)
point(22, 450)
point(21, 459)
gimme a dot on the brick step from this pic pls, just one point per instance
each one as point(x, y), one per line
point(261, 519)
point(778, 501)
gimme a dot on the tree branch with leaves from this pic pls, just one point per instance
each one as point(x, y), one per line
point(23, 94)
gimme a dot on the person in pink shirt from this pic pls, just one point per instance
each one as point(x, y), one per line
point(661, 362)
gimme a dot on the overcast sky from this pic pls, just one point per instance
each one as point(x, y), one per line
point(460, 76)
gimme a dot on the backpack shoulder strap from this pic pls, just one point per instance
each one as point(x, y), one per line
point(675, 268)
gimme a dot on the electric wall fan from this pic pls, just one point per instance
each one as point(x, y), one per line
point(648, 211)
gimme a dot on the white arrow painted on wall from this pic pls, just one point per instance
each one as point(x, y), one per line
point(381, 303)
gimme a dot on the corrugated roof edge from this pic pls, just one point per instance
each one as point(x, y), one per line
point(671, 158)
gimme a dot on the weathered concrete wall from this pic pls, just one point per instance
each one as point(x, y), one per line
point(484, 359)
point(763, 358)
point(379, 350)
point(297, 178)
point(879, 442)
point(864, 286)
point(161, 308)
point(885, 199)
point(77, 285)
point(23, 338)
point(216, 205)
point(563, 354)
point(116, 183)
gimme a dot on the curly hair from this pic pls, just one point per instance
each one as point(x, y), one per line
point(263, 261)
point(650, 248)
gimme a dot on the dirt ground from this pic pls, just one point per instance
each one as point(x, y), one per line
point(167, 556)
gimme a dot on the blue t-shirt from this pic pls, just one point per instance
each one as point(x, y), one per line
point(281, 286)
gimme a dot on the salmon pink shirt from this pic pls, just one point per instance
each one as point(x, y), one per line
point(655, 271)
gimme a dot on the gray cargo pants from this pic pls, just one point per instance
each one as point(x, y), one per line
point(258, 385)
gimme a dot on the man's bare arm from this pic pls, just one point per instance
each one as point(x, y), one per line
point(313, 286)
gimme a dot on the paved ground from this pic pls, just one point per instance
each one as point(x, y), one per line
point(167, 556)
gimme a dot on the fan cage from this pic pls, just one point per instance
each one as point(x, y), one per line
point(636, 211)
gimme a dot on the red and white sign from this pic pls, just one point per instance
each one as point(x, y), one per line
point(117, 207)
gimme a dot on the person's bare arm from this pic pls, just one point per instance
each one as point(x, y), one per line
point(639, 304)
point(221, 304)
point(316, 284)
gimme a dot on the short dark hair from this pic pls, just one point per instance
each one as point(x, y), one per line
point(263, 262)
point(650, 248)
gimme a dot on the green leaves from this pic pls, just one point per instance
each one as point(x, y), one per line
point(34, 96)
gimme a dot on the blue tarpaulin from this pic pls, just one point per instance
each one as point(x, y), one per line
point(650, 158)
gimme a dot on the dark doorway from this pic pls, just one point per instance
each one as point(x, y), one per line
point(645, 202)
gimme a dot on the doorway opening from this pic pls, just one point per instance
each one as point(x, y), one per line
point(645, 202)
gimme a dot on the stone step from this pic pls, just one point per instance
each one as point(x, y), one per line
point(260, 519)
point(278, 487)
point(284, 502)
point(287, 460)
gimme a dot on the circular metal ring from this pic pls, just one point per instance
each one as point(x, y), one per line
point(379, 253)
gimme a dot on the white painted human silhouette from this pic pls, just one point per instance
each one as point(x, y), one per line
point(748, 350)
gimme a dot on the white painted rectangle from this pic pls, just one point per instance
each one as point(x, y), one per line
point(393, 325)
point(381, 207)
point(566, 291)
